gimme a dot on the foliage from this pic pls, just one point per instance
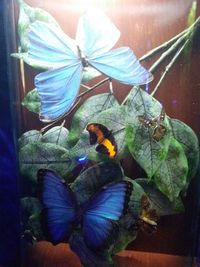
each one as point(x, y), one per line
point(166, 149)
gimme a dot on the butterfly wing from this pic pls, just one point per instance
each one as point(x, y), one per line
point(102, 213)
point(59, 206)
point(58, 89)
point(122, 65)
point(96, 34)
point(50, 46)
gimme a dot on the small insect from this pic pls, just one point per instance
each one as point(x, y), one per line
point(148, 217)
point(159, 130)
point(104, 137)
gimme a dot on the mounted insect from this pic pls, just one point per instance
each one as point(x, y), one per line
point(159, 130)
point(67, 58)
point(148, 217)
point(104, 137)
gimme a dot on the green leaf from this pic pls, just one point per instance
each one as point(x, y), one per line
point(91, 107)
point(29, 137)
point(113, 119)
point(34, 156)
point(57, 135)
point(139, 102)
point(148, 152)
point(189, 141)
point(31, 209)
point(28, 15)
point(159, 201)
point(144, 149)
point(127, 232)
point(24, 56)
point(171, 177)
point(95, 177)
point(32, 101)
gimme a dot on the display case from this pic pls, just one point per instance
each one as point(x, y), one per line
point(105, 102)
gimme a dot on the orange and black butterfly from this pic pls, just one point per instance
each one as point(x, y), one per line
point(104, 138)
point(148, 217)
point(159, 130)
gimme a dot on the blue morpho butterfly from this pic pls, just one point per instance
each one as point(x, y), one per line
point(98, 217)
point(67, 58)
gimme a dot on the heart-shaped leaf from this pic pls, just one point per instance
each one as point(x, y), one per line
point(148, 131)
point(95, 177)
point(32, 101)
point(114, 120)
point(91, 107)
point(189, 141)
point(29, 137)
point(171, 177)
point(159, 201)
point(28, 15)
point(37, 155)
point(57, 135)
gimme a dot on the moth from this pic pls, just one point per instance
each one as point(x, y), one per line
point(159, 130)
point(148, 217)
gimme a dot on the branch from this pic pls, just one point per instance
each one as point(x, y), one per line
point(168, 67)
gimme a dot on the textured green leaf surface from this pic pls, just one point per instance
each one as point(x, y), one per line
point(34, 156)
point(139, 102)
point(114, 120)
point(95, 177)
point(159, 201)
point(91, 107)
point(189, 141)
point(28, 15)
point(31, 209)
point(148, 152)
point(57, 135)
point(171, 177)
point(32, 101)
point(29, 137)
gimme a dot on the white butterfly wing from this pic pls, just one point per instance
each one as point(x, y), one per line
point(96, 34)
point(58, 89)
point(50, 47)
point(122, 65)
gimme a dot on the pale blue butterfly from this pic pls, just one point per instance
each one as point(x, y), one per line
point(96, 35)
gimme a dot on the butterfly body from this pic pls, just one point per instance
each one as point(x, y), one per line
point(104, 137)
point(96, 35)
point(97, 218)
point(159, 130)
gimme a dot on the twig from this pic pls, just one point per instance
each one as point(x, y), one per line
point(168, 67)
point(93, 87)
point(169, 42)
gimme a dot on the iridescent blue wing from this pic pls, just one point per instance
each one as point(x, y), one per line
point(58, 90)
point(122, 65)
point(50, 47)
point(58, 87)
point(96, 34)
point(59, 206)
point(102, 213)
